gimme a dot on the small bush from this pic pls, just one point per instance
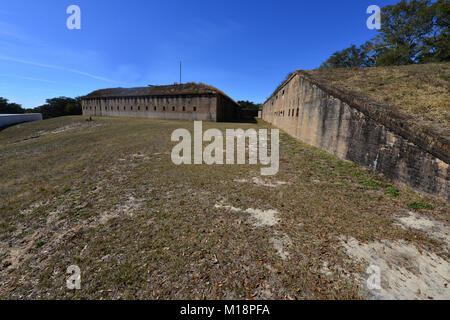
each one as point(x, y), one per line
point(39, 244)
point(420, 205)
point(392, 191)
point(371, 183)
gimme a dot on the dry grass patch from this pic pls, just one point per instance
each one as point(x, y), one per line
point(422, 91)
point(107, 198)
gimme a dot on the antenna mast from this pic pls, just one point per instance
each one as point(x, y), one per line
point(180, 72)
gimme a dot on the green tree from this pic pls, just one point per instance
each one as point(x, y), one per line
point(73, 108)
point(411, 32)
point(437, 45)
point(404, 30)
point(351, 57)
point(249, 105)
point(10, 108)
point(58, 107)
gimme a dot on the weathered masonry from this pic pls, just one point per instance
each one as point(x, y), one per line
point(366, 132)
point(189, 101)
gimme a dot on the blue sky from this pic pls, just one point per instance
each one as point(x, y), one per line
point(244, 48)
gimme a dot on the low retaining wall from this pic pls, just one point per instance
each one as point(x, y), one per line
point(10, 119)
point(366, 132)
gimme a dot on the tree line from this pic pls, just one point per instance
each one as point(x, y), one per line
point(55, 107)
point(63, 106)
point(249, 105)
point(411, 32)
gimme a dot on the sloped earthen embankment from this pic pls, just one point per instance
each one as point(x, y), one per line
point(370, 133)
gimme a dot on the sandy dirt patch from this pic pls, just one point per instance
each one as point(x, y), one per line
point(262, 182)
point(434, 229)
point(260, 218)
point(405, 272)
point(265, 218)
point(280, 243)
point(128, 208)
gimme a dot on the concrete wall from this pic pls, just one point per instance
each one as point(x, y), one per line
point(363, 132)
point(10, 119)
point(199, 107)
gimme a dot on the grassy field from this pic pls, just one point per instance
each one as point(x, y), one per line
point(104, 195)
point(420, 90)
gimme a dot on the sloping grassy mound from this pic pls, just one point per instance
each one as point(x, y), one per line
point(422, 91)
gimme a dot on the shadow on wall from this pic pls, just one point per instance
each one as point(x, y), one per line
point(247, 115)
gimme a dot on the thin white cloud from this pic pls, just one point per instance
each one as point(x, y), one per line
point(10, 31)
point(26, 78)
point(10, 34)
point(48, 66)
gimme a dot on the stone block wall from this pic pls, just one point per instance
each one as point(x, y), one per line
point(200, 107)
point(366, 132)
